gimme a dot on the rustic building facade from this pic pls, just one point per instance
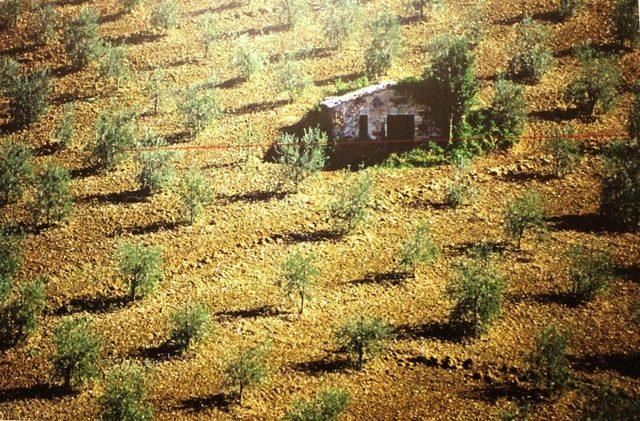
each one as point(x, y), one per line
point(376, 112)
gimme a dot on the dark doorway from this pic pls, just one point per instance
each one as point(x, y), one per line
point(363, 127)
point(401, 127)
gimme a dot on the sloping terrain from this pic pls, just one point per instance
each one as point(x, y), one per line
point(229, 260)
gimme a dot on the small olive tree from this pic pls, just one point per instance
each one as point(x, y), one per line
point(301, 157)
point(246, 369)
point(633, 125)
point(548, 360)
point(417, 248)
point(114, 133)
point(125, 395)
point(195, 194)
point(363, 338)
point(16, 171)
point(81, 40)
point(52, 199)
point(595, 89)
point(164, 15)
point(422, 7)
point(156, 88)
point(385, 46)
point(352, 199)
point(532, 56)
point(292, 79)
point(478, 292)
point(342, 19)
point(298, 276)
point(27, 94)
point(66, 130)
point(293, 12)
point(461, 190)
point(625, 21)
point(567, 8)
point(508, 112)
point(141, 267)
point(10, 13)
point(590, 272)
point(129, 5)
point(10, 252)
point(22, 314)
point(522, 213)
point(113, 65)
point(326, 406)
point(247, 57)
point(157, 166)
point(77, 352)
point(190, 325)
point(210, 32)
point(46, 24)
point(565, 151)
point(199, 107)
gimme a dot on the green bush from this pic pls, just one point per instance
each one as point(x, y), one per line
point(385, 46)
point(44, 29)
point(548, 360)
point(350, 208)
point(27, 94)
point(10, 13)
point(508, 112)
point(195, 194)
point(65, 131)
point(9, 70)
point(634, 118)
point(292, 79)
point(16, 171)
point(129, 5)
point(190, 325)
point(298, 276)
point(625, 21)
point(522, 213)
point(77, 351)
point(125, 394)
point(246, 369)
point(114, 133)
point(23, 313)
point(590, 272)
point(293, 12)
point(81, 40)
point(210, 32)
point(420, 6)
point(427, 156)
point(10, 252)
point(301, 157)
point(156, 88)
point(53, 199)
point(478, 292)
point(113, 64)
point(157, 167)
point(595, 89)
point(417, 248)
point(532, 56)
point(565, 151)
point(247, 57)
point(475, 23)
point(6, 286)
point(620, 191)
point(165, 15)
point(141, 267)
point(327, 406)
point(199, 107)
point(363, 338)
point(461, 190)
point(341, 19)
point(568, 8)
point(340, 87)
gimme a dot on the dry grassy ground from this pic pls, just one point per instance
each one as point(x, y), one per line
point(229, 260)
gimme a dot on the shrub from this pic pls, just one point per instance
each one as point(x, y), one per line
point(190, 325)
point(620, 191)
point(210, 32)
point(65, 131)
point(165, 15)
point(77, 351)
point(199, 107)
point(24, 312)
point(16, 171)
point(565, 151)
point(363, 338)
point(478, 291)
point(157, 170)
point(9, 70)
point(625, 21)
point(141, 267)
point(247, 57)
point(568, 8)
point(427, 156)
point(634, 118)
point(298, 276)
point(156, 88)
point(114, 131)
point(417, 248)
point(508, 112)
point(6, 286)
point(246, 369)
point(293, 12)
point(44, 29)
point(461, 189)
point(548, 361)
point(129, 5)
point(301, 157)
point(53, 199)
point(27, 95)
point(10, 252)
point(450, 81)
point(113, 65)
point(327, 406)
point(590, 272)
point(195, 194)
point(532, 57)
point(522, 213)
point(10, 13)
point(341, 21)
point(474, 24)
point(81, 40)
point(292, 79)
point(125, 394)
point(350, 208)
point(420, 6)
point(595, 89)
point(385, 46)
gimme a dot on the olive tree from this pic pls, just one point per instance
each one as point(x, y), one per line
point(352, 199)
point(156, 88)
point(10, 13)
point(129, 5)
point(44, 29)
point(16, 171)
point(342, 19)
point(27, 93)
point(548, 360)
point(81, 40)
point(210, 32)
point(595, 88)
point(625, 21)
point(567, 8)
point(190, 325)
point(140, 266)
point(10, 252)
point(113, 64)
point(199, 107)
point(298, 276)
point(247, 57)
point(292, 79)
point(508, 112)
point(246, 369)
point(22, 314)
point(633, 126)
point(301, 157)
point(157, 166)
point(114, 133)
point(125, 394)
point(164, 15)
point(326, 406)
point(77, 352)
point(195, 193)
point(65, 130)
point(532, 56)
point(417, 248)
point(363, 338)
point(420, 6)
point(385, 46)
point(52, 199)
point(565, 151)
point(293, 12)
point(523, 212)
point(590, 272)
point(461, 190)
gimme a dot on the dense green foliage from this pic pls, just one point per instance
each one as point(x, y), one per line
point(190, 325)
point(77, 352)
point(385, 46)
point(417, 248)
point(548, 360)
point(81, 40)
point(363, 338)
point(246, 369)
point(10, 252)
point(157, 167)
point(595, 88)
point(164, 15)
point(625, 21)
point(301, 157)
point(113, 64)
point(590, 272)
point(124, 397)
point(292, 79)
point(44, 29)
point(247, 57)
point(195, 193)
point(199, 107)
point(114, 133)
point(326, 406)
point(65, 131)
point(507, 113)
point(52, 199)
point(298, 276)
point(342, 20)
point(532, 56)
point(27, 93)
point(16, 171)
point(141, 267)
point(522, 213)
point(352, 199)
point(565, 151)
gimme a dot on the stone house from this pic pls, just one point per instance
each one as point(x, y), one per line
point(381, 111)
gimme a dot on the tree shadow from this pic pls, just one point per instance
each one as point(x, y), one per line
point(19, 49)
point(230, 83)
point(116, 198)
point(467, 248)
point(555, 114)
point(87, 171)
point(347, 77)
point(631, 273)
point(600, 47)
point(37, 391)
point(588, 223)
point(221, 401)
point(388, 278)
point(509, 391)
point(252, 313)
point(151, 228)
point(447, 331)
point(258, 107)
point(46, 149)
point(255, 196)
point(136, 38)
point(93, 305)
point(112, 17)
point(322, 366)
point(547, 16)
point(624, 364)
point(509, 21)
point(223, 7)
point(312, 236)
point(524, 176)
point(420, 203)
point(178, 137)
point(163, 352)
point(64, 70)
point(267, 30)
